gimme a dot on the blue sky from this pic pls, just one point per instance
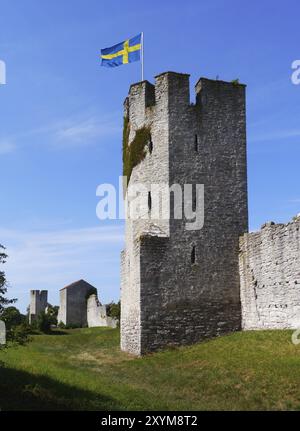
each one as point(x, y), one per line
point(61, 119)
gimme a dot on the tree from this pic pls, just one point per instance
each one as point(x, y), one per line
point(52, 312)
point(43, 322)
point(114, 310)
point(12, 317)
point(3, 283)
point(17, 331)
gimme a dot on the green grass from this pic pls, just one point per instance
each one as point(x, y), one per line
point(85, 370)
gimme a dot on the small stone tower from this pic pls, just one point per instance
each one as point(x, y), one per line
point(179, 286)
point(73, 303)
point(38, 303)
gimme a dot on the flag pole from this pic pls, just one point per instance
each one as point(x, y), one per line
point(142, 40)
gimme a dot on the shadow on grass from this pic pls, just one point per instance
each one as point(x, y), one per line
point(57, 332)
point(20, 390)
point(51, 332)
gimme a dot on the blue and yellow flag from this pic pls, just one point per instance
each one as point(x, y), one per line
point(122, 53)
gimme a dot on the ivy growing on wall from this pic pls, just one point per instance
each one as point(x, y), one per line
point(134, 153)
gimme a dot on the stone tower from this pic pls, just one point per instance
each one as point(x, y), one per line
point(73, 303)
point(38, 303)
point(179, 286)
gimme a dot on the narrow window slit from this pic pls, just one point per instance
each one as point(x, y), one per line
point(150, 145)
point(194, 202)
point(193, 255)
point(196, 143)
point(149, 201)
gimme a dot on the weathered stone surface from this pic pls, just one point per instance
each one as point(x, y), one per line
point(2, 333)
point(97, 314)
point(38, 303)
point(73, 304)
point(80, 306)
point(166, 299)
point(270, 277)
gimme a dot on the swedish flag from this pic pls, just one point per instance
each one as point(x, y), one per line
point(122, 53)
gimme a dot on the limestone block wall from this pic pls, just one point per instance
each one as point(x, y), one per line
point(146, 105)
point(73, 303)
point(38, 303)
point(62, 312)
point(270, 277)
point(77, 306)
point(166, 298)
point(2, 333)
point(97, 315)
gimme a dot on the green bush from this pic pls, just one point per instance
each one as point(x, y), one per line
point(61, 325)
point(42, 323)
point(19, 334)
point(114, 310)
point(52, 313)
point(72, 326)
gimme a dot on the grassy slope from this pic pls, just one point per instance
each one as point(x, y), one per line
point(84, 369)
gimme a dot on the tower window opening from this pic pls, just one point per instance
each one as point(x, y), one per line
point(150, 145)
point(149, 201)
point(196, 143)
point(194, 202)
point(193, 255)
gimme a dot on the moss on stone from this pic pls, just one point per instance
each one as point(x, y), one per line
point(235, 82)
point(134, 153)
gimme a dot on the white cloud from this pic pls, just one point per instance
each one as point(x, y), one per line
point(275, 135)
point(261, 94)
point(52, 259)
point(76, 131)
point(65, 237)
point(85, 131)
point(7, 147)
